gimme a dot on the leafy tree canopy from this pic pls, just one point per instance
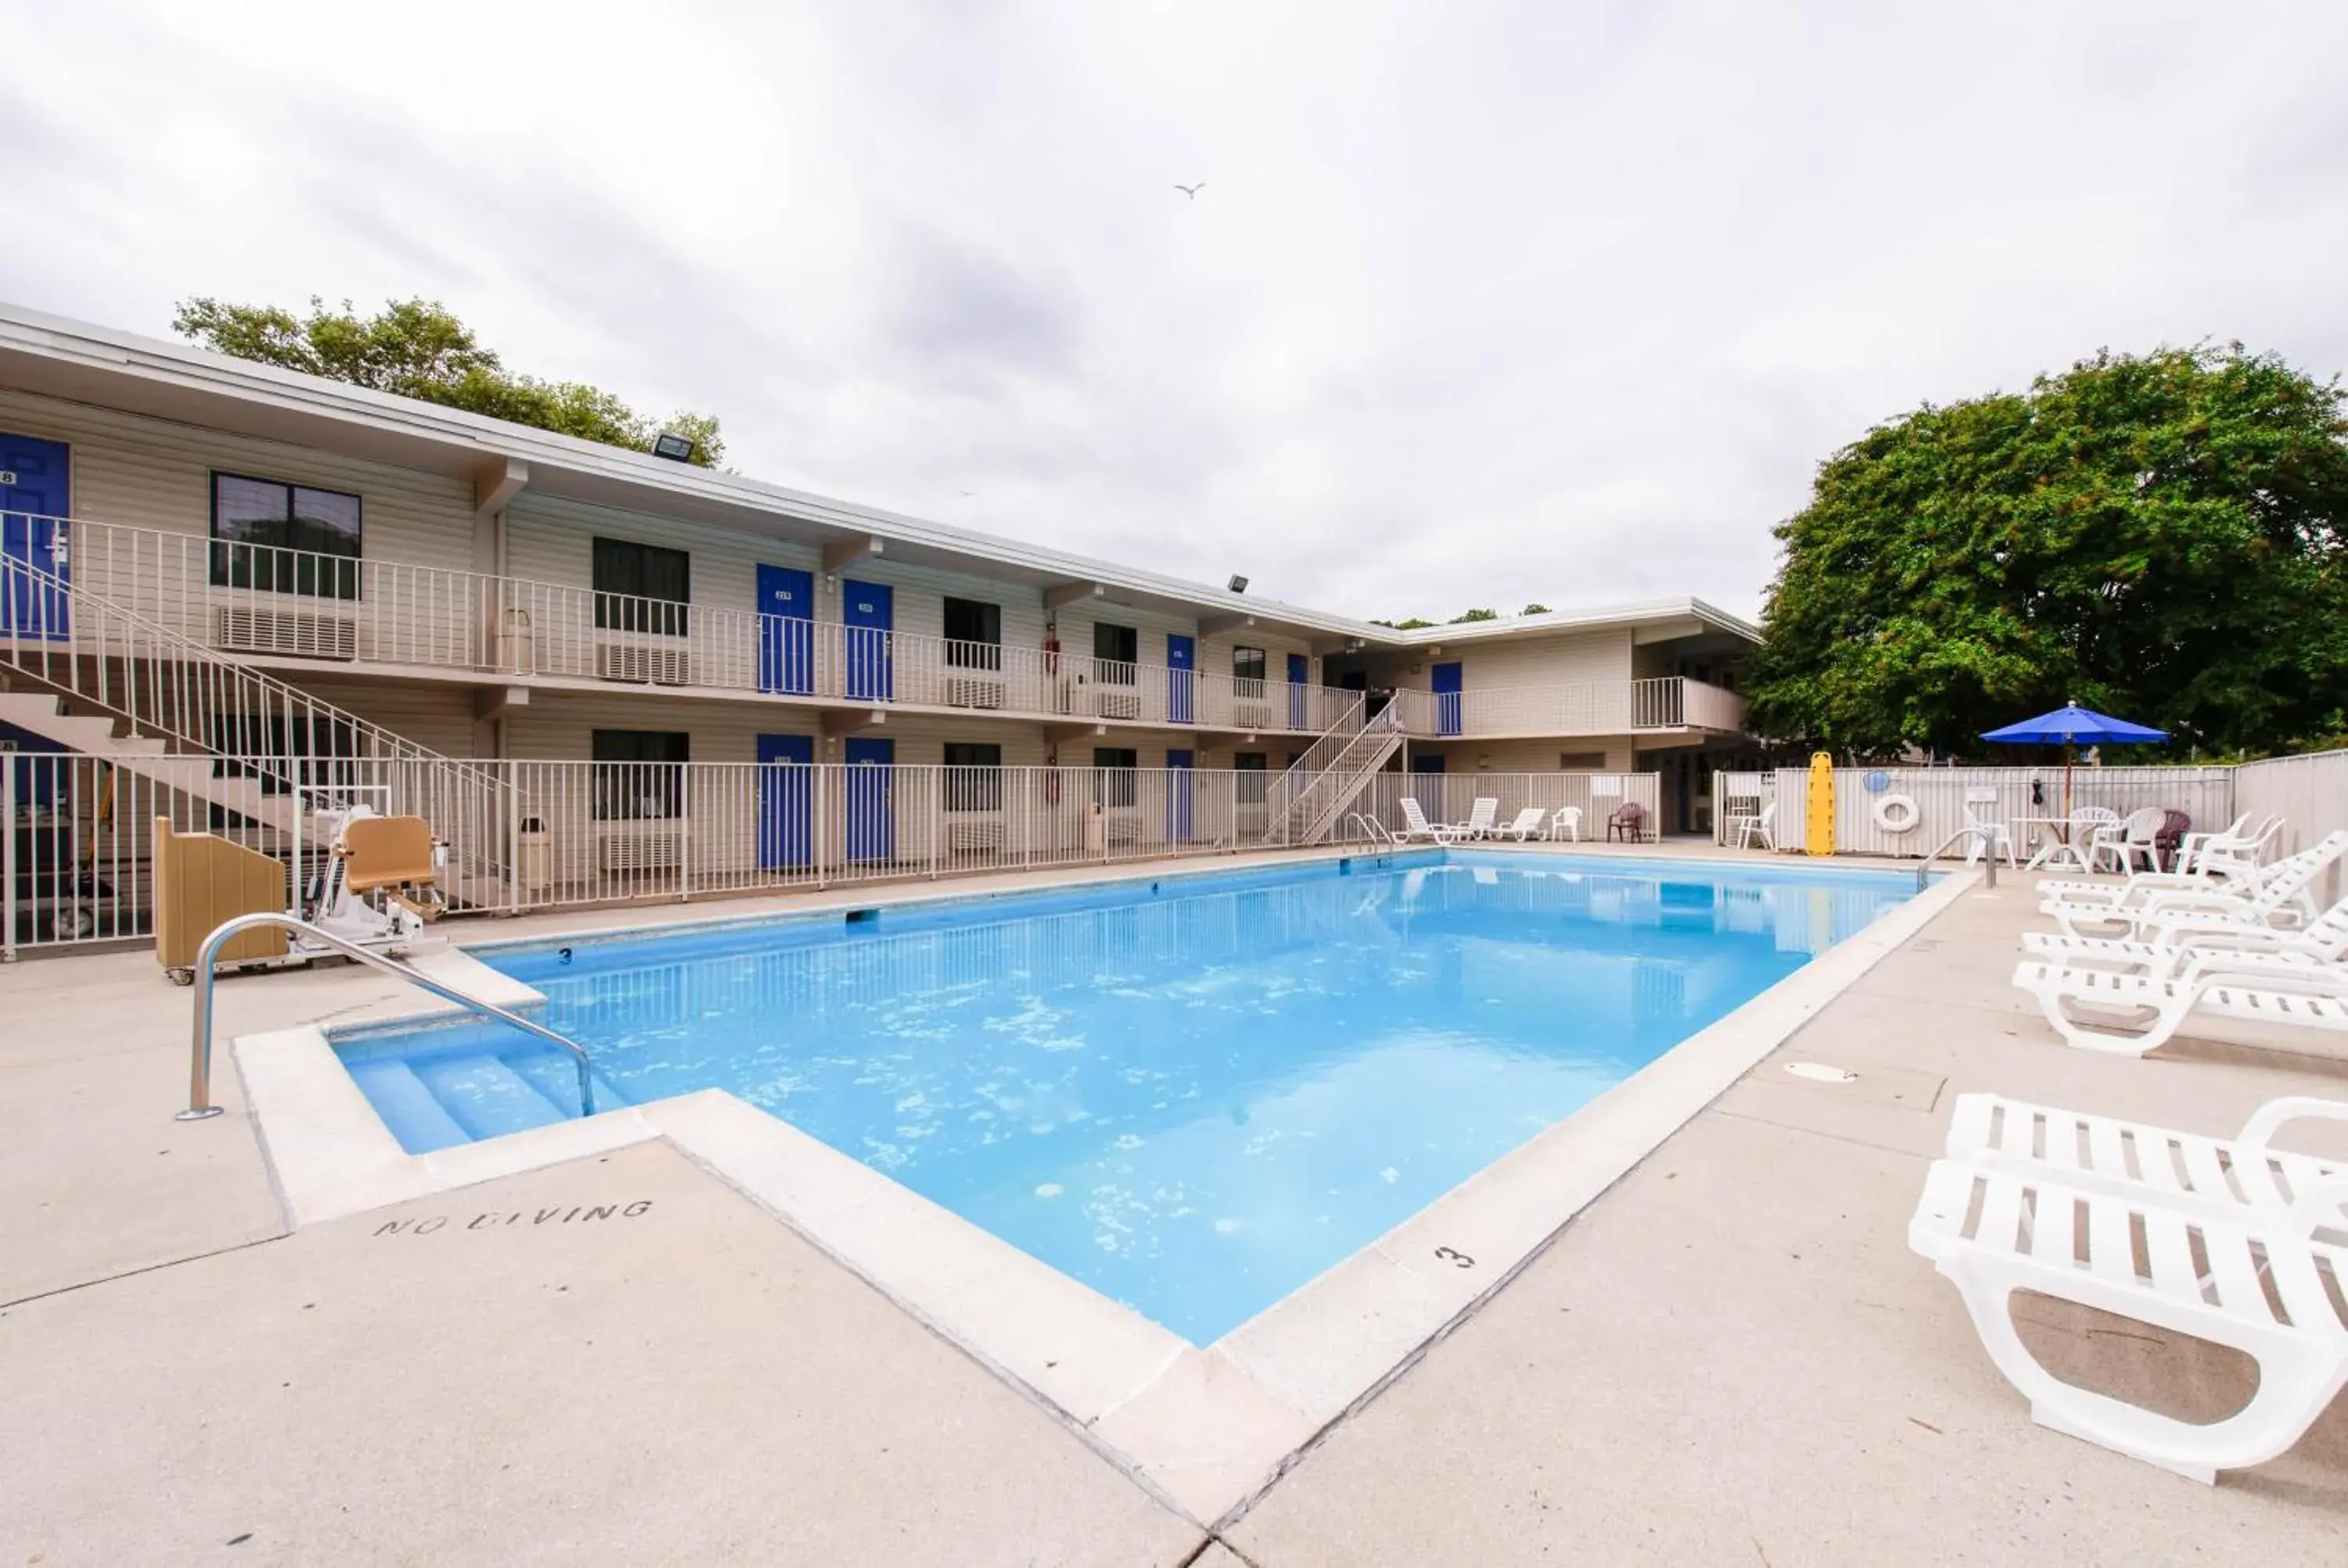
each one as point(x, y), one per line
point(2157, 537)
point(1534, 609)
point(1476, 615)
point(1411, 624)
point(417, 348)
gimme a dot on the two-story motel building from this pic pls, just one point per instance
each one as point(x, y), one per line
point(487, 591)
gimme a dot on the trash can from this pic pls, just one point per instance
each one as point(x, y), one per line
point(534, 860)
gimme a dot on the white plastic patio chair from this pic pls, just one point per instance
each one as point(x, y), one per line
point(1745, 828)
point(2244, 988)
point(2028, 1236)
point(1990, 837)
point(2134, 837)
point(1566, 824)
point(1527, 823)
point(2189, 848)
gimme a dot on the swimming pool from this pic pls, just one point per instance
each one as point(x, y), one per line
point(1194, 1093)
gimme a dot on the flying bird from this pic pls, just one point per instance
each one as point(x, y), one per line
point(1192, 190)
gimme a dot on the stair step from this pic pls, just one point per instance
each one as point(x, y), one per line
point(555, 1073)
point(488, 1098)
point(420, 1122)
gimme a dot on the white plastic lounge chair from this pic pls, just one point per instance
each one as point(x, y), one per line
point(1528, 823)
point(2191, 938)
point(1482, 817)
point(1416, 826)
point(2243, 847)
point(2280, 897)
point(2222, 878)
point(2249, 988)
point(1743, 829)
point(2044, 1234)
point(2240, 1179)
point(1566, 824)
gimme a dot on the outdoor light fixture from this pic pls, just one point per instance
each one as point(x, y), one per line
point(676, 449)
point(1239, 583)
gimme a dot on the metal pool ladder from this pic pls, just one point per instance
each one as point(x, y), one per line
point(1372, 829)
point(199, 1056)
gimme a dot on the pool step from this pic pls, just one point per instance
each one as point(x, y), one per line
point(407, 1106)
point(488, 1098)
point(555, 1075)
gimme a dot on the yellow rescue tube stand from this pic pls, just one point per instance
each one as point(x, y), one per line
point(1818, 836)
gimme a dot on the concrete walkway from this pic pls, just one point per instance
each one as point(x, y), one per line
point(1730, 1358)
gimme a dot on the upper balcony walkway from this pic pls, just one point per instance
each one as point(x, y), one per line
point(296, 609)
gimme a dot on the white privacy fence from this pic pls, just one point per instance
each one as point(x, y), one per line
point(1942, 796)
point(2309, 792)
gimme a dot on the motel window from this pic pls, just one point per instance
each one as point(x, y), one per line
point(973, 776)
point(1581, 762)
point(1254, 769)
point(641, 588)
point(633, 780)
point(973, 634)
point(1112, 782)
point(1246, 670)
point(285, 539)
point(1116, 650)
point(322, 752)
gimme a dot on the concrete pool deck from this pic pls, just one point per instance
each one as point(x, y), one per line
point(1729, 1356)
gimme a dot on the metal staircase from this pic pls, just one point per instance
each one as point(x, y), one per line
point(83, 671)
point(1307, 801)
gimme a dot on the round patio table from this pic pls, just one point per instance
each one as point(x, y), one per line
point(2055, 851)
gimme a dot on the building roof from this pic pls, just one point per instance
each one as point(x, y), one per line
point(100, 365)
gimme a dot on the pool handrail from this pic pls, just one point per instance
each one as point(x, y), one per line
point(200, 1044)
point(1970, 830)
point(1373, 830)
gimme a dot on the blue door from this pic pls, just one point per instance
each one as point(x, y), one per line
point(785, 801)
point(1178, 796)
point(869, 611)
point(1299, 711)
point(785, 630)
point(872, 800)
point(1181, 652)
point(33, 500)
point(1446, 698)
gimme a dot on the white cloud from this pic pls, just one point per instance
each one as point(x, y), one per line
point(1478, 305)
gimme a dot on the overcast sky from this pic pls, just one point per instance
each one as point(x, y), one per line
point(1479, 304)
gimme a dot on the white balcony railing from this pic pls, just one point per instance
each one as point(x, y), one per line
point(1572, 708)
point(258, 600)
point(265, 601)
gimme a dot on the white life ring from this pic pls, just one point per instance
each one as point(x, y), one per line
point(1895, 814)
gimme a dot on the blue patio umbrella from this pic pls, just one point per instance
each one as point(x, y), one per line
point(2070, 726)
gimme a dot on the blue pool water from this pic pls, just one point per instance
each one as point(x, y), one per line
point(1193, 1094)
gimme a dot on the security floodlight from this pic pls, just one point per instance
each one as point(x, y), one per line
point(676, 449)
point(1239, 583)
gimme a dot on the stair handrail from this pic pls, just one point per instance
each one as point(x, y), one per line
point(20, 644)
point(1282, 796)
point(1345, 777)
point(200, 1044)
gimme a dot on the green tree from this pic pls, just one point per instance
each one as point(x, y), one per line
point(1411, 624)
point(1476, 615)
point(418, 348)
point(2159, 536)
point(1535, 608)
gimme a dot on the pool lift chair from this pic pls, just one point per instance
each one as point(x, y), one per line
point(380, 884)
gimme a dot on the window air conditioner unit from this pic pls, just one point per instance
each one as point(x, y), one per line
point(1118, 701)
point(1251, 715)
point(626, 847)
point(974, 691)
point(967, 835)
point(302, 633)
point(641, 663)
